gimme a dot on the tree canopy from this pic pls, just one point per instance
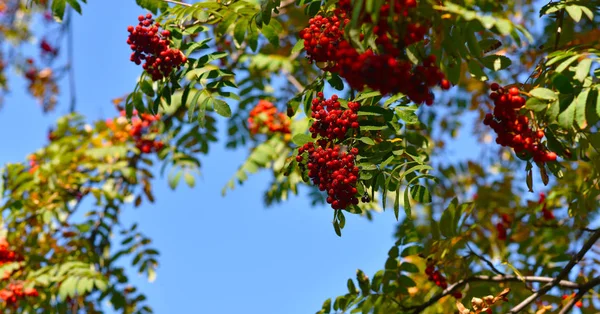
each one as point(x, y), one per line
point(350, 103)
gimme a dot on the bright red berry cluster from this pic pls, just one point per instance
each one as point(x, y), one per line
point(151, 44)
point(439, 279)
point(322, 36)
point(332, 170)
point(330, 120)
point(138, 129)
point(266, 119)
point(548, 214)
point(330, 166)
point(15, 292)
point(513, 128)
point(389, 71)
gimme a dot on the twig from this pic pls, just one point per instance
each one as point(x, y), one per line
point(560, 18)
point(294, 81)
point(582, 291)
point(563, 274)
point(562, 283)
point(178, 3)
point(488, 262)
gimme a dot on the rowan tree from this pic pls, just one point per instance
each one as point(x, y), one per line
point(352, 103)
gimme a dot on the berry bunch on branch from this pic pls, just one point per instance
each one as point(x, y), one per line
point(139, 129)
point(15, 291)
point(331, 165)
point(436, 277)
point(151, 44)
point(266, 119)
point(388, 70)
point(512, 125)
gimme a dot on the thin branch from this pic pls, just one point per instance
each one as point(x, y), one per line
point(560, 17)
point(562, 283)
point(582, 291)
point(488, 262)
point(178, 3)
point(563, 274)
point(294, 81)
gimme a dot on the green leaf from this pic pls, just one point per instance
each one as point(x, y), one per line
point(536, 104)
point(562, 83)
point(420, 194)
point(567, 117)
point(189, 179)
point(147, 88)
point(476, 71)
point(409, 267)
point(583, 69)
point(299, 46)
point(239, 32)
point(301, 139)
point(337, 229)
point(575, 12)
point(271, 35)
point(336, 82)
point(174, 179)
point(411, 250)
point(580, 109)
point(58, 8)
point(367, 140)
point(543, 93)
point(565, 64)
point(496, 62)
point(67, 288)
point(222, 108)
point(75, 5)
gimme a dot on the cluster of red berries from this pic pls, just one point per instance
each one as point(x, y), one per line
point(266, 119)
point(15, 291)
point(548, 214)
point(332, 170)
point(137, 129)
point(502, 227)
point(513, 128)
point(6, 255)
point(439, 279)
point(151, 44)
point(330, 120)
point(390, 71)
point(323, 35)
point(331, 166)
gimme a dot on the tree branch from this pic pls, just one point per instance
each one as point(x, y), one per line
point(460, 283)
point(563, 274)
point(178, 3)
point(488, 262)
point(560, 17)
point(582, 291)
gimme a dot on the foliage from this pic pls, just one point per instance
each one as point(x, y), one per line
point(469, 236)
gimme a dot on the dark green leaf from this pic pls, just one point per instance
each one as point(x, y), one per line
point(222, 108)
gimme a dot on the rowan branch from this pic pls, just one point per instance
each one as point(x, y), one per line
point(488, 262)
point(452, 288)
point(563, 274)
point(178, 3)
point(582, 291)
